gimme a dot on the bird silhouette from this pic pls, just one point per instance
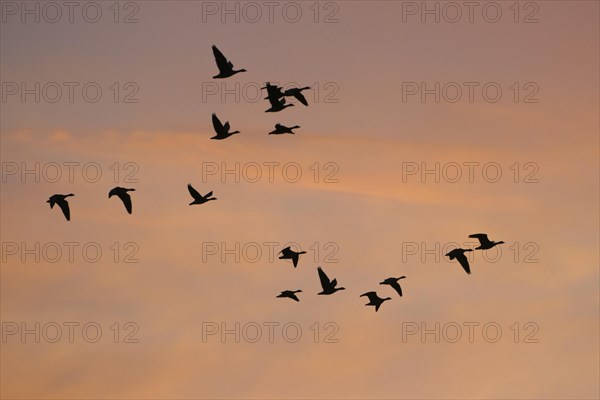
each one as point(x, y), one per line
point(221, 130)
point(329, 287)
point(277, 105)
point(393, 282)
point(123, 195)
point(459, 254)
point(290, 293)
point(374, 300)
point(61, 200)
point(225, 66)
point(273, 91)
point(289, 254)
point(276, 98)
point(281, 129)
point(484, 242)
point(198, 198)
point(297, 93)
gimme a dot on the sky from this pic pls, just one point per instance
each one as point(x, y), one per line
point(419, 132)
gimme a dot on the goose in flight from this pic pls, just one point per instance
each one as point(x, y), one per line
point(281, 129)
point(329, 287)
point(393, 282)
point(221, 130)
point(459, 254)
point(290, 293)
point(484, 242)
point(289, 254)
point(297, 93)
point(225, 66)
point(277, 105)
point(123, 195)
point(374, 300)
point(198, 198)
point(273, 91)
point(61, 200)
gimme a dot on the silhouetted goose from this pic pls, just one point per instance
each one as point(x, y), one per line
point(281, 129)
point(393, 282)
point(123, 195)
point(329, 287)
point(61, 200)
point(484, 242)
point(290, 293)
point(225, 66)
point(459, 254)
point(297, 93)
point(289, 254)
point(374, 300)
point(221, 130)
point(277, 105)
point(198, 198)
point(273, 91)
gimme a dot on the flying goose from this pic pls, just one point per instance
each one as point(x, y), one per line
point(393, 282)
point(329, 287)
point(123, 195)
point(221, 130)
point(281, 129)
point(290, 293)
point(459, 254)
point(374, 300)
point(61, 200)
point(198, 198)
point(484, 242)
point(297, 93)
point(225, 66)
point(289, 254)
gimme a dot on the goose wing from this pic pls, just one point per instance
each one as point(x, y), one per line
point(295, 258)
point(219, 128)
point(325, 282)
point(64, 206)
point(287, 252)
point(292, 295)
point(208, 195)
point(462, 259)
point(300, 97)
point(126, 199)
point(221, 60)
point(371, 295)
point(482, 237)
point(194, 193)
point(396, 287)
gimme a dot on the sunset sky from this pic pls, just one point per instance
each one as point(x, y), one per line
point(359, 208)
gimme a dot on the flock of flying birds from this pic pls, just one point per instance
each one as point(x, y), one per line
point(277, 99)
point(330, 286)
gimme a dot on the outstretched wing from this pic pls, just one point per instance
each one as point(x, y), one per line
point(226, 126)
point(222, 62)
point(295, 258)
point(462, 259)
point(217, 124)
point(397, 287)
point(301, 98)
point(482, 237)
point(194, 192)
point(325, 282)
point(286, 252)
point(274, 91)
point(208, 195)
point(126, 198)
point(64, 206)
point(371, 295)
